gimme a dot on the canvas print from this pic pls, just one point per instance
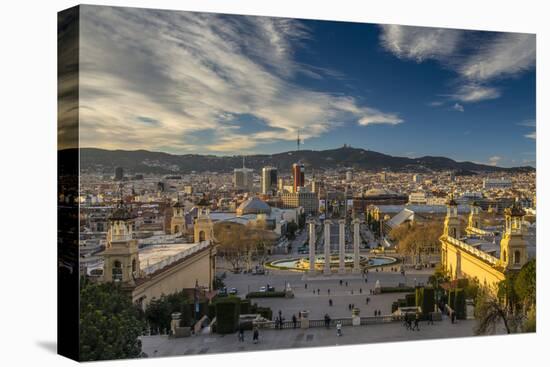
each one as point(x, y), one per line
point(234, 183)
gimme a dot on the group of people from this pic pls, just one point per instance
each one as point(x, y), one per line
point(255, 334)
point(409, 319)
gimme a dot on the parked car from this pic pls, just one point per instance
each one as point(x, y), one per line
point(222, 292)
point(263, 289)
point(270, 288)
point(233, 291)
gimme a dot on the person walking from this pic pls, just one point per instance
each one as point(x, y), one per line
point(305, 286)
point(255, 335)
point(360, 290)
point(294, 321)
point(339, 328)
point(330, 302)
point(328, 291)
point(241, 334)
point(416, 321)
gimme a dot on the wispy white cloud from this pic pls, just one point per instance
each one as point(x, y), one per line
point(477, 60)
point(532, 135)
point(420, 43)
point(194, 74)
point(475, 93)
point(507, 54)
point(494, 160)
point(458, 107)
point(528, 123)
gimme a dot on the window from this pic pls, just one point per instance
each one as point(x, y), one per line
point(504, 256)
point(134, 266)
point(517, 257)
point(117, 271)
point(201, 236)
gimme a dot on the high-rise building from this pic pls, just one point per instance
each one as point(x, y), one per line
point(119, 174)
point(304, 199)
point(242, 178)
point(298, 175)
point(269, 179)
point(417, 178)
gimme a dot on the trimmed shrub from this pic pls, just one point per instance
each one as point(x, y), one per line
point(460, 304)
point(425, 299)
point(411, 299)
point(266, 294)
point(245, 306)
point(402, 302)
point(457, 301)
point(227, 315)
point(265, 312)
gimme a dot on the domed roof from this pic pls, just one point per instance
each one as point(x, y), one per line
point(254, 206)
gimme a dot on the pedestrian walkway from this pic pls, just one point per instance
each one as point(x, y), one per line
point(302, 338)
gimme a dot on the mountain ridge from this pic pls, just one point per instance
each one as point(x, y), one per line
point(144, 161)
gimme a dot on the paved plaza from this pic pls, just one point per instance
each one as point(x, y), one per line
point(159, 346)
point(305, 291)
point(306, 298)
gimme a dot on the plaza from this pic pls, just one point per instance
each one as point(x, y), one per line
point(273, 339)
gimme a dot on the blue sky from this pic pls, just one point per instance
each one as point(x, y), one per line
point(184, 82)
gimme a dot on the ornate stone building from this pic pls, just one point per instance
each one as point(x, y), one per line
point(153, 271)
point(472, 257)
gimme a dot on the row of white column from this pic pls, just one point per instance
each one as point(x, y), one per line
point(341, 248)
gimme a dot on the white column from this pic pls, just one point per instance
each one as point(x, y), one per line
point(342, 246)
point(356, 241)
point(312, 241)
point(327, 246)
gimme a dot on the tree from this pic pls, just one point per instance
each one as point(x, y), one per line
point(511, 303)
point(491, 312)
point(110, 323)
point(291, 229)
point(417, 239)
point(159, 311)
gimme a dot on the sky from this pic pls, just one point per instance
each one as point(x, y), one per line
point(186, 82)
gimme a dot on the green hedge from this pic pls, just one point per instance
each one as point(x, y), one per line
point(425, 299)
point(457, 301)
point(396, 289)
point(402, 302)
point(411, 299)
point(266, 294)
point(227, 315)
point(245, 306)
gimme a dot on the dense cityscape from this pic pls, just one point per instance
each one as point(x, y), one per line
point(248, 234)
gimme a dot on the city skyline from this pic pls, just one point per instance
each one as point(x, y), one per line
point(181, 82)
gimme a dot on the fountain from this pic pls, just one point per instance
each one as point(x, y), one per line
point(302, 263)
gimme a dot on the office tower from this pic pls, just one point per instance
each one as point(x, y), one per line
point(119, 174)
point(298, 174)
point(243, 178)
point(269, 179)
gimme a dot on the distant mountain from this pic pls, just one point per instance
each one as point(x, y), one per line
point(143, 161)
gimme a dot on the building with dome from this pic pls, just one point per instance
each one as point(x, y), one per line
point(253, 205)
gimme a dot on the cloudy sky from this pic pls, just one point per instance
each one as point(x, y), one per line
point(183, 82)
